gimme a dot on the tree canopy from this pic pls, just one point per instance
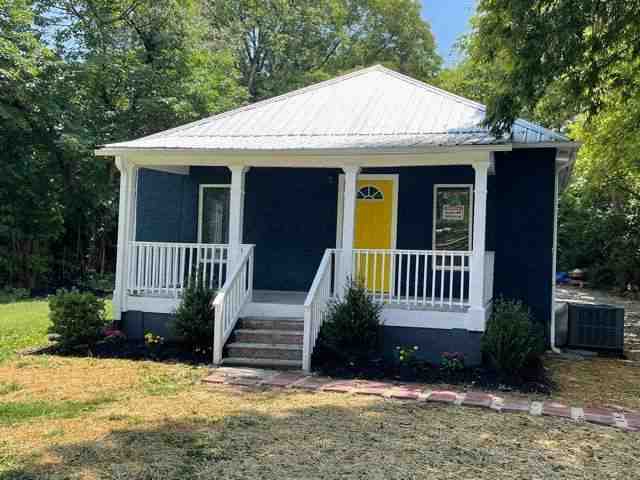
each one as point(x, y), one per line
point(75, 74)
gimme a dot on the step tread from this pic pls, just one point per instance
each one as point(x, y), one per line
point(268, 331)
point(273, 319)
point(262, 361)
point(266, 346)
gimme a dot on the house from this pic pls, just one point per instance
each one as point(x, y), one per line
point(372, 175)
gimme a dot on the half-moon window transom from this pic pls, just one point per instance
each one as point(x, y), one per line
point(369, 192)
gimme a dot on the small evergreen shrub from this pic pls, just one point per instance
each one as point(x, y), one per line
point(350, 334)
point(195, 316)
point(77, 318)
point(511, 339)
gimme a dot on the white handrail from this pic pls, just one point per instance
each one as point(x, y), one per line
point(315, 307)
point(237, 290)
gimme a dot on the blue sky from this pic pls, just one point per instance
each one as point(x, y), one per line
point(449, 19)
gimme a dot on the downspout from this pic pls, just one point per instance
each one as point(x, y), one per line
point(558, 169)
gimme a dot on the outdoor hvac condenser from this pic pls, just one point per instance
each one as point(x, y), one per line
point(599, 327)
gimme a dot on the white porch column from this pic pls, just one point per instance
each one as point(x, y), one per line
point(236, 212)
point(476, 284)
point(348, 223)
point(126, 232)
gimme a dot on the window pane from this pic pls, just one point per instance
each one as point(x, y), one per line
point(215, 215)
point(453, 218)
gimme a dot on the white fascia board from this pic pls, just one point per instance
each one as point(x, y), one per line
point(115, 151)
point(309, 159)
point(559, 145)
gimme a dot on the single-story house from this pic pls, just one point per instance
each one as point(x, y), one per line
point(373, 176)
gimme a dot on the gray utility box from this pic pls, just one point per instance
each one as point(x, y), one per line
point(562, 324)
point(596, 327)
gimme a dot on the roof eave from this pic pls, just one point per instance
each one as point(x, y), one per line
point(108, 151)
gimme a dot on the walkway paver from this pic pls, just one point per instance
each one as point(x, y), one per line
point(255, 377)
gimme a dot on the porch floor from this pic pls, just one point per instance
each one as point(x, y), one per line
point(280, 297)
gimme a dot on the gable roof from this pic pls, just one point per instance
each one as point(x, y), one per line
point(370, 108)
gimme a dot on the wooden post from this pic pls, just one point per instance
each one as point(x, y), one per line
point(348, 224)
point(126, 232)
point(236, 214)
point(476, 320)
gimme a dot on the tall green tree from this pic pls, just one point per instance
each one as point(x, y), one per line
point(587, 46)
point(281, 45)
point(31, 214)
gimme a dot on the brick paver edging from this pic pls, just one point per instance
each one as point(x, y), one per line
point(253, 377)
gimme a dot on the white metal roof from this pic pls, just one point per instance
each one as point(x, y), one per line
point(371, 108)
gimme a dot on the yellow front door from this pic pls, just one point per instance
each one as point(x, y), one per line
point(375, 204)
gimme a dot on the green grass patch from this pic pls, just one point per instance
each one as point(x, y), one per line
point(9, 387)
point(12, 413)
point(24, 324)
point(170, 384)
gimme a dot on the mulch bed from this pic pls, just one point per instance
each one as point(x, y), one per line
point(533, 379)
point(128, 350)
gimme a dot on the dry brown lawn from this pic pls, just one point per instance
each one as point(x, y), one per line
point(142, 420)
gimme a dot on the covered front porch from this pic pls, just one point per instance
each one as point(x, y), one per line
point(296, 235)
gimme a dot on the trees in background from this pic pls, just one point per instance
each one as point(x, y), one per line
point(282, 45)
point(573, 66)
point(75, 74)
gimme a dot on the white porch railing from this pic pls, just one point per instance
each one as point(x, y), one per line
point(415, 277)
point(315, 307)
point(236, 291)
point(166, 269)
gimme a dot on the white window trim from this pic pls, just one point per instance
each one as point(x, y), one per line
point(394, 207)
point(201, 203)
point(436, 186)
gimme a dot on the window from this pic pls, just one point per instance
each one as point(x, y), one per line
point(452, 217)
point(214, 214)
point(369, 192)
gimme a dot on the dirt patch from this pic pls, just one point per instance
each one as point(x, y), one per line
point(196, 432)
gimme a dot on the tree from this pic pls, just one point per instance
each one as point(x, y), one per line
point(30, 210)
point(281, 45)
point(585, 48)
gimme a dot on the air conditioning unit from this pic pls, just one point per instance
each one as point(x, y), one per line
point(596, 327)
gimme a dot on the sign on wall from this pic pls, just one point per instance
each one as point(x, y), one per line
point(453, 212)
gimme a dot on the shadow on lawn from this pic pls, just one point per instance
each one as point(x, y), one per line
point(360, 439)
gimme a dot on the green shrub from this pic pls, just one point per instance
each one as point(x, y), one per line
point(195, 317)
point(511, 339)
point(78, 318)
point(11, 295)
point(350, 334)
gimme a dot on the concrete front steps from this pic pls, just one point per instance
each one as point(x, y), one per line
point(266, 342)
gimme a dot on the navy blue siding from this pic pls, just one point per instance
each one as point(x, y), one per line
point(290, 215)
point(167, 207)
point(524, 228)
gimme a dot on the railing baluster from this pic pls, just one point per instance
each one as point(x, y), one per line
point(425, 263)
point(407, 290)
point(415, 281)
point(462, 272)
point(451, 270)
point(442, 257)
